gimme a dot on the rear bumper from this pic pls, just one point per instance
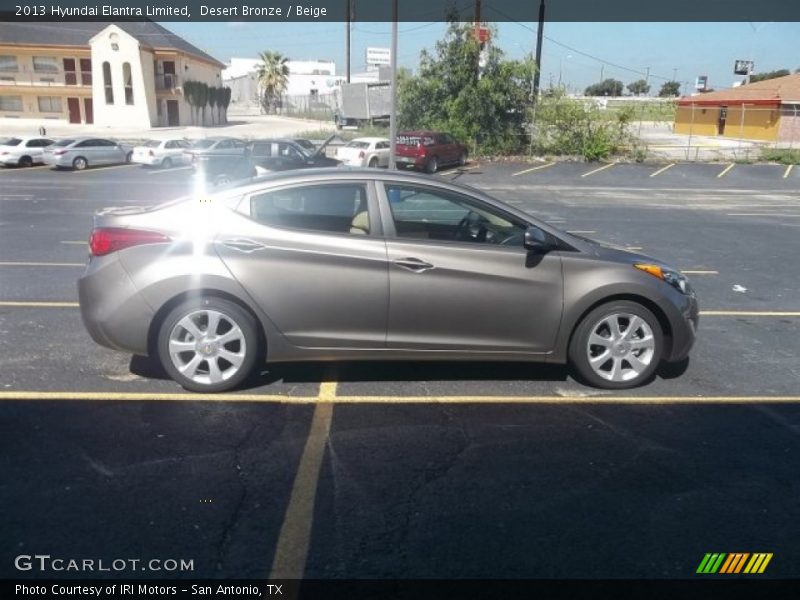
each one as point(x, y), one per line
point(412, 161)
point(113, 311)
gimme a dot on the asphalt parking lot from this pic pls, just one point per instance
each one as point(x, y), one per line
point(409, 470)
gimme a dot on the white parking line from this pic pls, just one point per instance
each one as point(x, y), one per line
point(23, 169)
point(603, 168)
point(540, 167)
point(74, 242)
point(788, 170)
point(700, 272)
point(662, 169)
point(725, 170)
point(39, 264)
point(762, 215)
point(162, 171)
point(581, 231)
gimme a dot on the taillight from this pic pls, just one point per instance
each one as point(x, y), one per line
point(106, 240)
point(59, 152)
point(152, 153)
point(361, 154)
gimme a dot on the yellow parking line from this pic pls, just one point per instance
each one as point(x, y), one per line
point(540, 167)
point(16, 303)
point(700, 272)
point(100, 169)
point(787, 171)
point(294, 539)
point(725, 170)
point(662, 169)
point(749, 313)
point(40, 264)
point(603, 168)
point(280, 399)
point(83, 243)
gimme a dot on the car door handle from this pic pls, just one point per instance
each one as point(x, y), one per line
point(413, 264)
point(243, 245)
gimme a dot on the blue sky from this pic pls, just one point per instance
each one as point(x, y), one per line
point(691, 48)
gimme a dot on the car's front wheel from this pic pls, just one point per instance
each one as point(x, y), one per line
point(80, 163)
point(432, 165)
point(166, 163)
point(208, 344)
point(617, 346)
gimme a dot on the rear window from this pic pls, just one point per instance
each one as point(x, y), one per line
point(152, 143)
point(12, 142)
point(62, 143)
point(357, 145)
point(415, 140)
point(200, 144)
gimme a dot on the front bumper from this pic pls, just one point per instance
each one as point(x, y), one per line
point(683, 323)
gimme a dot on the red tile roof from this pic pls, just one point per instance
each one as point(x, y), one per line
point(769, 92)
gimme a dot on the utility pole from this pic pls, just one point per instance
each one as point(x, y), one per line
point(348, 10)
point(602, 70)
point(539, 36)
point(647, 78)
point(476, 33)
point(674, 74)
point(393, 100)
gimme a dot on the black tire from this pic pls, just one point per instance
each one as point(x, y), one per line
point(579, 349)
point(221, 180)
point(462, 159)
point(166, 163)
point(129, 157)
point(373, 162)
point(432, 165)
point(231, 311)
point(80, 163)
point(25, 161)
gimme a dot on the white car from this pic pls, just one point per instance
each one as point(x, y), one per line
point(23, 151)
point(161, 153)
point(365, 152)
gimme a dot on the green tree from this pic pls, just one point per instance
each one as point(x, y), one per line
point(202, 100)
point(190, 95)
point(639, 87)
point(273, 77)
point(212, 100)
point(450, 93)
point(607, 87)
point(670, 89)
point(769, 75)
point(225, 102)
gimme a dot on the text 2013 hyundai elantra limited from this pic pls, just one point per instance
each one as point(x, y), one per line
point(339, 264)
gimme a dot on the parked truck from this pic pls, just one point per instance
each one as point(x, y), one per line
point(363, 104)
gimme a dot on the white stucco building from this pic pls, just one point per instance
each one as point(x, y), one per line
point(101, 73)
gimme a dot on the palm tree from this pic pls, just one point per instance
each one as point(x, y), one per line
point(273, 77)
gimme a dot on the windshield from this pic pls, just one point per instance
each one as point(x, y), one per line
point(12, 142)
point(357, 145)
point(63, 143)
point(200, 144)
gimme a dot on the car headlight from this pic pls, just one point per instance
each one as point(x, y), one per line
point(677, 280)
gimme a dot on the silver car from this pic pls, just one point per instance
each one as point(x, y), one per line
point(82, 152)
point(352, 264)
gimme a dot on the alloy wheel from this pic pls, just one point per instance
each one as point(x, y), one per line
point(620, 347)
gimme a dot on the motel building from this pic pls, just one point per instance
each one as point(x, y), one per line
point(766, 111)
point(108, 74)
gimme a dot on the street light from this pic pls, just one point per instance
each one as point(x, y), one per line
point(561, 67)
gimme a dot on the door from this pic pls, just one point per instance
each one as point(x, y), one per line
point(461, 279)
point(88, 110)
point(310, 257)
point(74, 110)
point(723, 117)
point(173, 118)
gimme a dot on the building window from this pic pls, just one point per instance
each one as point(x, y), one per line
point(11, 103)
point(86, 71)
point(49, 104)
point(128, 81)
point(45, 64)
point(107, 83)
point(8, 63)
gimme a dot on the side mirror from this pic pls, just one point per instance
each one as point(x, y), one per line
point(536, 239)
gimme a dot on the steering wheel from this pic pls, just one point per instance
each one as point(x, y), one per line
point(470, 228)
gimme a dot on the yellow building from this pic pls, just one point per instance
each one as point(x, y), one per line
point(767, 110)
point(103, 73)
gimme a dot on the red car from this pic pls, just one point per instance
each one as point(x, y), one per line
point(429, 150)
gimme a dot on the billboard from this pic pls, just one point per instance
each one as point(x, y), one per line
point(378, 56)
point(743, 67)
point(701, 83)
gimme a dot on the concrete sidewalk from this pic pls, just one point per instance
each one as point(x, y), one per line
point(251, 126)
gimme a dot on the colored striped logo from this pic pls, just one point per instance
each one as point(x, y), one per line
point(737, 562)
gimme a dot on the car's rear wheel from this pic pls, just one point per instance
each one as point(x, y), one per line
point(617, 346)
point(462, 159)
point(208, 344)
point(432, 165)
point(25, 161)
point(129, 157)
point(373, 162)
point(166, 163)
point(80, 163)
